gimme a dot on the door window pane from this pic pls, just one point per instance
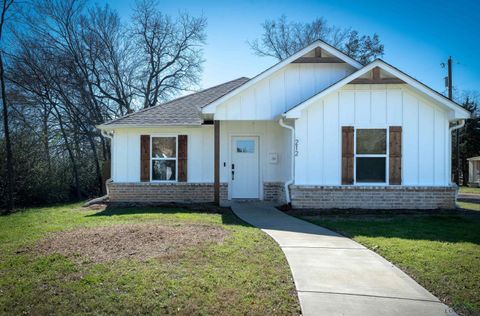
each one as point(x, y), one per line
point(371, 169)
point(245, 146)
point(164, 147)
point(164, 170)
point(371, 141)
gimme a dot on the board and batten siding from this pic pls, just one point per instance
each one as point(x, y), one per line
point(425, 136)
point(281, 91)
point(273, 139)
point(126, 152)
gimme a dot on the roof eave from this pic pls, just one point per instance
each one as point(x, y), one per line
point(211, 108)
point(458, 111)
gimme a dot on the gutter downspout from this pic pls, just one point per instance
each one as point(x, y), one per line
point(455, 127)
point(451, 129)
point(102, 198)
point(292, 174)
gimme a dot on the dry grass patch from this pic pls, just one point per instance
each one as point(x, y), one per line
point(205, 263)
point(129, 241)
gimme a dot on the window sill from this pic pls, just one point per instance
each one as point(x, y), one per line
point(371, 184)
point(162, 181)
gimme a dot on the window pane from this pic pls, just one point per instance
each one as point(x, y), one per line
point(245, 146)
point(163, 170)
point(371, 169)
point(164, 147)
point(371, 141)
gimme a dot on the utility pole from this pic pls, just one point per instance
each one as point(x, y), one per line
point(456, 177)
point(450, 89)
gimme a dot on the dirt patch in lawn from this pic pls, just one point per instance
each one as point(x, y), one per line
point(137, 241)
point(96, 207)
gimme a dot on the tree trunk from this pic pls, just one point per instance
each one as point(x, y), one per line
point(46, 145)
point(456, 172)
point(7, 138)
point(464, 172)
point(97, 162)
point(71, 156)
point(105, 152)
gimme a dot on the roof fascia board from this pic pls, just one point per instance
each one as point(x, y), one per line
point(458, 111)
point(474, 159)
point(211, 108)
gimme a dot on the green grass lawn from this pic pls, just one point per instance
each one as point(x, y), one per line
point(442, 253)
point(469, 206)
point(469, 190)
point(245, 273)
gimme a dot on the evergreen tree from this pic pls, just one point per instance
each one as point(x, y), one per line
point(469, 137)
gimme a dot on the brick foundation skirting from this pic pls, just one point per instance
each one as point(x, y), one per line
point(274, 191)
point(178, 192)
point(368, 197)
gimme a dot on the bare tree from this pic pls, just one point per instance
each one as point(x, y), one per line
point(6, 5)
point(281, 39)
point(170, 52)
point(37, 73)
point(110, 54)
point(76, 65)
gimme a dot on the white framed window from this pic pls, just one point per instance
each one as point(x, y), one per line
point(164, 158)
point(245, 146)
point(371, 152)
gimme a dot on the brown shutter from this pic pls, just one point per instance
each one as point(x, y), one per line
point(182, 157)
point(145, 158)
point(395, 155)
point(347, 154)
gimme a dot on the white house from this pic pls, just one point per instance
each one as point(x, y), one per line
point(474, 171)
point(317, 130)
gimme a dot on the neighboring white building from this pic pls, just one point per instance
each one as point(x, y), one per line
point(318, 130)
point(474, 171)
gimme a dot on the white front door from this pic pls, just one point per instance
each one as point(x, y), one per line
point(244, 168)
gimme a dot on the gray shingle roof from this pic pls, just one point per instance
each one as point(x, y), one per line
point(185, 110)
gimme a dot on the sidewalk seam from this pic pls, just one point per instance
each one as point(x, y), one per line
point(370, 295)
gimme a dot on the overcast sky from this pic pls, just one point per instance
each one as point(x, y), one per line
point(418, 35)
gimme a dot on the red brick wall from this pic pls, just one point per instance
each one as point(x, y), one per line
point(368, 197)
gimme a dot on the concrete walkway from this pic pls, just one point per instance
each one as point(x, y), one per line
point(468, 197)
point(334, 275)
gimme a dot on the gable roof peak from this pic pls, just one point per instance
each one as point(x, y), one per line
point(458, 111)
point(210, 108)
